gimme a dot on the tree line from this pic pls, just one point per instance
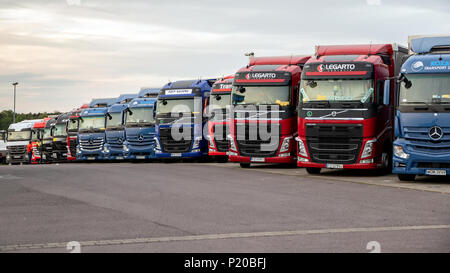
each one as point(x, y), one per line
point(6, 117)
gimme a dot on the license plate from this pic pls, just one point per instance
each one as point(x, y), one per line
point(55, 155)
point(436, 172)
point(335, 166)
point(119, 157)
point(91, 158)
point(140, 157)
point(17, 156)
point(257, 159)
point(44, 157)
point(176, 155)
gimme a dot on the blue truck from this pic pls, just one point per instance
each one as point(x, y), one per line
point(422, 126)
point(115, 129)
point(91, 131)
point(180, 120)
point(139, 120)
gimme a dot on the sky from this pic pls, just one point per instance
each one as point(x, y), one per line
point(63, 53)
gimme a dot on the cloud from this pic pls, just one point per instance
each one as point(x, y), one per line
point(63, 55)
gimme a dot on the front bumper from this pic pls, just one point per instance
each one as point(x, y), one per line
point(140, 153)
point(246, 159)
point(369, 166)
point(410, 165)
point(179, 155)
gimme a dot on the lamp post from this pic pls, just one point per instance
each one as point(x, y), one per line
point(14, 115)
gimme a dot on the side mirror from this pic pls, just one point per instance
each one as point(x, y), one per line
point(387, 92)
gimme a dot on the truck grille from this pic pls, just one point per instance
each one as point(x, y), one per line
point(170, 145)
point(112, 141)
point(250, 142)
point(146, 141)
point(17, 149)
point(96, 144)
point(334, 143)
point(420, 141)
point(73, 147)
point(220, 139)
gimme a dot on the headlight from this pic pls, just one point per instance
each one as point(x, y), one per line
point(399, 152)
point(125, 148)
point(301, 147)
point(105, 150)
point(285, 145)
point(211, 142)
point(78, 150)
point(157, 146)
point(368, 148)
point(196, 142)
point(232, 144)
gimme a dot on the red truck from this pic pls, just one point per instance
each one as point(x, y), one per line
point(263, 121)
point(346, 107)
point(72, 131)
point(219, 110)
point(36, 138)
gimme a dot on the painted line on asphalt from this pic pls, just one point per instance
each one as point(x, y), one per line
point(322, 178)
point(219, 236)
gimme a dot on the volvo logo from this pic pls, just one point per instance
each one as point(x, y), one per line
point(141, 138)
point(436, 133)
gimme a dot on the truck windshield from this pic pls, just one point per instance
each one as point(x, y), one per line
point(72, 125)
point(47, 133)
point(261, 95)
point(92, 123)
point(115, 121)
point(19, 135)
point(140, 115)
point(337, 90)
point(429, 89)
point(166, 106)
point(60, 130)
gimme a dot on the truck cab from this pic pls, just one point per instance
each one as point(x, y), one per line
point(19, 135)
point(36, 140)
point(180, 121)
point(346, 107)
point(47, 141)
point(263, 121)
point(115, 129)
point(91, 132)
point(219, 114)
point(139, 121)
point(72, 132)
point(422, 124)
point(59, 133)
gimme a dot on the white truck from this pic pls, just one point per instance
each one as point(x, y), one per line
point(17, 138)
point(3, 150)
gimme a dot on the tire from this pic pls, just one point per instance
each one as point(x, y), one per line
point(387, 166)
point(244, 165)
point(406, 177)
point(313, 170)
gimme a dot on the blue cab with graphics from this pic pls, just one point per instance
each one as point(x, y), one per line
point(91, 131)
point(139, 121)
point(180, 120)
point(115, 129)
point(422, 127)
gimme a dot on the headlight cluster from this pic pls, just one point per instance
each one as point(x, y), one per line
point(286, 144)
point(399, 152)
point(125, 148)
point(301, 147)
point(232, 144)
point(368, 148)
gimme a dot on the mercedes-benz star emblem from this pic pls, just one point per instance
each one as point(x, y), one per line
point(436, 133)
point(91, 141)
point(120, 140)
point(141, 138)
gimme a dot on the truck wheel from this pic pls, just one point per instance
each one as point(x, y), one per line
point(386, 161)
point(313, 170)
point(244, 165)
point(406, 177)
